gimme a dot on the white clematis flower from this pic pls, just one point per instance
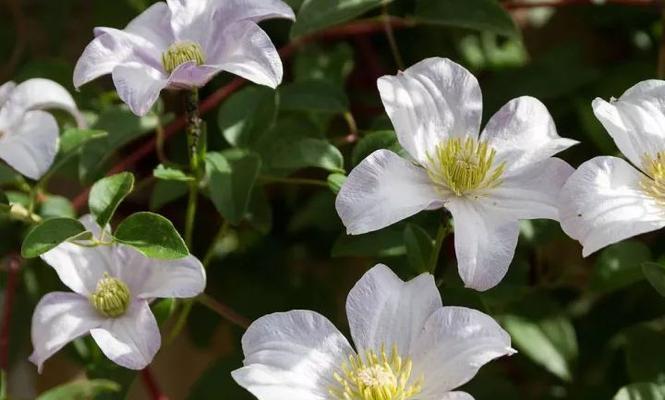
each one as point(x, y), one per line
point(488, 182)
point(607, 199)
point(28, 135)
point(113, 287)
point(183, 44)
point(407, 347)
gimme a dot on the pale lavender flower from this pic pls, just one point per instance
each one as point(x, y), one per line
point(182, 44)
point(113, 287)
point(28, 135)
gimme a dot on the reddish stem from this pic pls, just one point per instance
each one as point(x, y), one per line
point(13, 267)
point(151, 385)
point(520, 4)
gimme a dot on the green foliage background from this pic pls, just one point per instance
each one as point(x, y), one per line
point(584, 328)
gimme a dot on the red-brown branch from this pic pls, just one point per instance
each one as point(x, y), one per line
point(215, 99)
point(520, 4)
point(151, 385)
point(13, 268)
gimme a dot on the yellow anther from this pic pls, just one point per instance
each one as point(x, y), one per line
point(654, 183)
point(180, 53)
point(111, 298)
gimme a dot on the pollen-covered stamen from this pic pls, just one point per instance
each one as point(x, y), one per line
point(654, 183)
point(111, 298)
point(463, 165)
point(180, 53)
point(376, 377)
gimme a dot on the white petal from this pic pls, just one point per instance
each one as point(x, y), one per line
point(111, 48)
point(291, 356)
point(58, 319)
point(154, 25)
point(253, 10)
point(484, 243)
point(31, 147)
point(6, 90)
point(522, 132)
point(384, 189)
point(189, 75)
point(455, 396)
point(455, 343)
point(148, 278)
point(131, 340)
point(138, 85)
point(244, 49)
point(602, 203)
point(530, 192)
point(636, 121)
point(40, 94)
point(433, 100)
point(383, 310)
point(80, 268)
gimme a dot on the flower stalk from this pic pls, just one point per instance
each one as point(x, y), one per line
point(195, 131)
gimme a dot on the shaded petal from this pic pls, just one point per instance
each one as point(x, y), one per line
point(431, 101)
point(531, 192)
point(149, 278)
point(111, 48)
point(154, 25)
point(244, 49)
point(455, 396)
point(253, 10)
point(291, 355)
point(138, 85)
point(131, 340)
point(636, 121)
point(189, 75)
point(79, 267)
point(37, 94)
point(58, 319)
point(6, 90)
point(602, 203)
point(485, 243)
point(522, 132)
point(31, 146)
point(384, 189)
point(383, 310)
point(454, 345)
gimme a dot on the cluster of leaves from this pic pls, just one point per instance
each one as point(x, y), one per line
point(585, 328)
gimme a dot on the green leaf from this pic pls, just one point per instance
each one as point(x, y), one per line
point(645, 353)
point(373, 141)
point(655, 274)
point(335, 182)
point(232, 178)
point(306, 153)
point(329, 63)
point(620, 265)
point(481, 15)
point(315, 15)
point(73, 139)
point(152, 235)
point(107, 194)
point(247, 115)
point(82, 390)
point(419, 248)
point(49, 234)
point(171, 174)
point(313, 95)
point(641, 391)
point(166, 192)
point(57, 206)
point(3, 199)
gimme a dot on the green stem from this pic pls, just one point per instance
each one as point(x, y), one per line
point(445, 228)
point(3, 385)
point(390, 34)
point(194, 134)
point(293, 181)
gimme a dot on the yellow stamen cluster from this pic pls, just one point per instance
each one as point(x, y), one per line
point(654, 183)
point(111, 298)
point(180, 53)
point(463, 165)
point(376, 377)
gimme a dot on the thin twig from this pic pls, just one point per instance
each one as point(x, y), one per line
point(521, 4)
point(224, 311)
point(293, 181)
point(151, 385)
point(390, 34)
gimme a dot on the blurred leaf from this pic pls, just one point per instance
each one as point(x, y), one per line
point(620, 265)
point(335, 182)
point(152, 235)
point(8, 175)
point(82, 390)
point(259, 211)
point(232, 177)
point(57, 206)
point(107, 194)
point(373, 141)
point(3, 198)
point(419, 248)
point(73, 139)
point(313, 95)
point(49, 234)
point(481, 15)
point(332, 63)
point(248, 115)
point(217, 379)
point(166, 192)
point(315, 15)
point(163, 309)
point(645, 353)
point(171, 174)
point(641, 391)
point(655, 274)
point(310, 153)
point(388, 242)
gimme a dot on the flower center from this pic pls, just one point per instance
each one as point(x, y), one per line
point(111, 298)
point(463, 165)
point(376, 377)
point(654, 183)
point(180, 53)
